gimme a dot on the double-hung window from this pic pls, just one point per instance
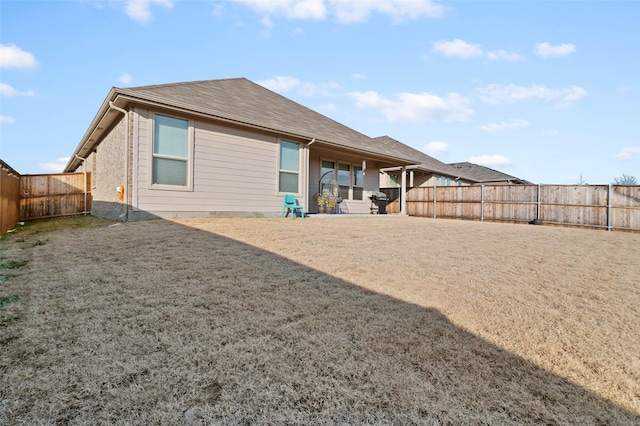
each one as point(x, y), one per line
point(289, 175)
point(349, 177)
point(358, 182)
point(170, 151)
point(344, 179)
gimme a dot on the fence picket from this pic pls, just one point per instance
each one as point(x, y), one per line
point(597, 206)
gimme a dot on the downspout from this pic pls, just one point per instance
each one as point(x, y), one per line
point(306, 176)
point(84, 171)
point(125, 197)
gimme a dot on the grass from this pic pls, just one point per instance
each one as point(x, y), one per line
point(382, 320)
point(44, 226)
point(13, 264)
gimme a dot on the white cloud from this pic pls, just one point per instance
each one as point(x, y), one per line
point(346, 11)
point(350, 11)
point(463, 50)
point(459, 48)
point(358, 76)
point(573, 94)
point(503, 55)
point(281, 84)
point(5, 119)
point(11, 56)
point(8, 91)
point(267, 22)
point(285, 84)
point(298, 31)
point(218, 11)
point(56, 166)
point(436, 148)
point(499, 94)
point(628, 152)
point(294, 9)
point(548, 51)
point(327, 107)
point(416, 107)
point(125, 78)
point(512, 124)
point(140, 10)
point(496, 160)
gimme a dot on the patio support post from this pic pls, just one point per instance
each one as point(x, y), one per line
point(403, 192)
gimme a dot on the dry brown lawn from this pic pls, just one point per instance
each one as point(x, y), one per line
point(346, 320)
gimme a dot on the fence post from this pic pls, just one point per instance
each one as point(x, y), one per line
point(482, 203)
point(538, 209)
point(609, 207)
point(434, 201)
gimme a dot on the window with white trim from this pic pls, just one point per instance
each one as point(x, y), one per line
point(289, 173)
point(170, 151)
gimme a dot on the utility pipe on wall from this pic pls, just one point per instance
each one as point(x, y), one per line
point(125, 215)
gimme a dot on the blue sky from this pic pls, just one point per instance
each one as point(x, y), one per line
point(547, 91)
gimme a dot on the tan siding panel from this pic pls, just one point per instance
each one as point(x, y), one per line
point(232, 171)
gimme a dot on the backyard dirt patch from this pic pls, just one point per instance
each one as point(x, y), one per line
point(385, 320)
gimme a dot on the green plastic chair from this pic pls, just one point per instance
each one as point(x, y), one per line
point(291, 204)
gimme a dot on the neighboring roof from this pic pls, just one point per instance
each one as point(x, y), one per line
point(485, 174)
point(8, 168)
point(240, 101)
point(424, 161)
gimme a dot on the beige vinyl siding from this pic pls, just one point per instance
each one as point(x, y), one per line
point(233, 171)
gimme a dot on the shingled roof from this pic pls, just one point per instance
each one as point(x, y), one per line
point(244, 102)
point(486, 174)
point(422, 160)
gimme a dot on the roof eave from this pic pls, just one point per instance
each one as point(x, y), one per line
point(124, 97)
point(87, 143)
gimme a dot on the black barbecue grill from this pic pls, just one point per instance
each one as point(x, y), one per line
point(379, 202)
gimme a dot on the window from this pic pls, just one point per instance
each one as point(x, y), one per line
point(445, 181)
point(349, 178)
point(358, 183)
point(344, 180)
point(327, 171)
point(170, 151)
point(289, 167)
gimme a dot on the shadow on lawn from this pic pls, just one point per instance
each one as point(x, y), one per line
point(156, 322)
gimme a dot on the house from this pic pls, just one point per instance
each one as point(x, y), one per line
point(426, 170)
point(486, 175)
point(223, 148)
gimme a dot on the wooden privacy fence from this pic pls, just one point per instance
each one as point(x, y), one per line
point(599, 206)
point(54, 195)
point(9, 197)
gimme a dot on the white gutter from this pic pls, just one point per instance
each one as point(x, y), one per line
point(125, 196)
